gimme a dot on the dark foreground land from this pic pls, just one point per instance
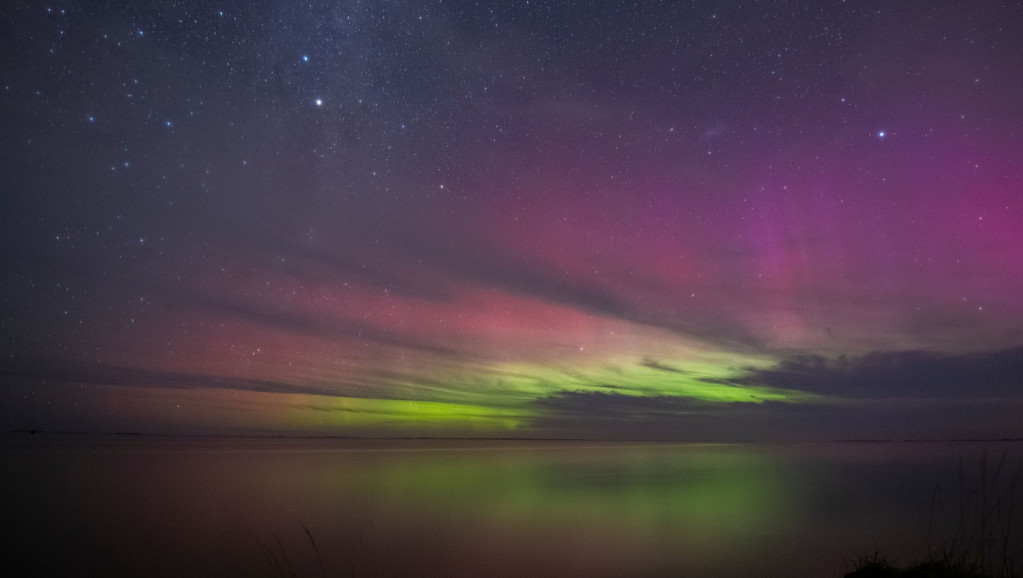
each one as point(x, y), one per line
point(876, 566)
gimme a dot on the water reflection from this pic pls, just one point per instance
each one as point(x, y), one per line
point(598, 509)
point(170, 507)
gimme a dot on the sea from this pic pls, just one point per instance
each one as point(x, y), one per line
point(133, 505)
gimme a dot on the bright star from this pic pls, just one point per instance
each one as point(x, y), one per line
point(305, 58)
point(319, 102)
point(881, 134)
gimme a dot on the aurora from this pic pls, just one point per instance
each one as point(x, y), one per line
point(534, 221)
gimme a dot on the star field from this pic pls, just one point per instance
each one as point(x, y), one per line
point(723, 220)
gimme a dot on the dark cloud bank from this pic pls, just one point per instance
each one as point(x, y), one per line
point(881, 395)
point(902, 374)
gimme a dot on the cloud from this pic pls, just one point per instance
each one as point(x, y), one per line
point(599, 415)
point(880, 395)
point(301, 322)
point(653, 364)
point(43, 372)
point(531, 278)
point(900, 374)
point(609, 415)
point(334, 264)
point(598, 404)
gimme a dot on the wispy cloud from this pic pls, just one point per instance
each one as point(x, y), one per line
point(41, 372)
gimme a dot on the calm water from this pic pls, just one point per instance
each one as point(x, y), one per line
point(133, 506)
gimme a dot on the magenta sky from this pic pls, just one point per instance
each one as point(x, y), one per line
point(687, 220)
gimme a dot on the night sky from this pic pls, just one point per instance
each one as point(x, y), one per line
point(623, 219)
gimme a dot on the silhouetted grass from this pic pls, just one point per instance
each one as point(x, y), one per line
point(980, 542)
point(277, 558)
point(873, 565)
point(316, 549)
point(279, 564)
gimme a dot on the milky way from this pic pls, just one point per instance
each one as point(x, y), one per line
point(695, 220)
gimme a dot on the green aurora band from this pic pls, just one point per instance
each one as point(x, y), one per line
point(506, 397)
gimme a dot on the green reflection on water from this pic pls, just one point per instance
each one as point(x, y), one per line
point(705, 497)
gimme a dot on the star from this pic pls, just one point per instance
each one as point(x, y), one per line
point(558, 208)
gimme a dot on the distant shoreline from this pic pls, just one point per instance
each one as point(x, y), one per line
point(14, 432)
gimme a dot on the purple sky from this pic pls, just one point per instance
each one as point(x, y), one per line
point(691, 220)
